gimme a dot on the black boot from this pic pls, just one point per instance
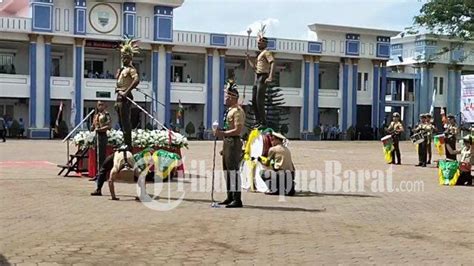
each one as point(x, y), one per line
point(235, 204)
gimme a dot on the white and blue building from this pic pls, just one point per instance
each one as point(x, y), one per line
point(55, 51)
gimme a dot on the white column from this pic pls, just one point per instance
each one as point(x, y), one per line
point(161, 84)
point(311, 97)
point(40, 93)
point(216, 87)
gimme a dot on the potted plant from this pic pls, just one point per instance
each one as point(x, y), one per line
point(190, 130)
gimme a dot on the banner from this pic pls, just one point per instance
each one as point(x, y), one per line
point(467, 98)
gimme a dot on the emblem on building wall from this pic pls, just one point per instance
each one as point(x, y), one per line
point(103, 18)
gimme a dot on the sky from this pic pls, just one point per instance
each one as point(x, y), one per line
point(290, 18)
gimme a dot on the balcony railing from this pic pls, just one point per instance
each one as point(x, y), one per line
point(12, 24)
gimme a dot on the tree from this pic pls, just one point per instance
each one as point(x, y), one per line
point(446, 18)
point(276, 113)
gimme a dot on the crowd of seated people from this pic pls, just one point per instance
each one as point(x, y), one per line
point(7, 69)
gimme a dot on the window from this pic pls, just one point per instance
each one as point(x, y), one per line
point(366, 81)
point(93, 68)
point(441, 86)
point(55, 67)
point(176, 74)
point(7, 111)
point(359, 81)
point(363, 81)
point(6, 64)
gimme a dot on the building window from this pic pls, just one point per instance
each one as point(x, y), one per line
point(93, 68)
point(363, 81)
point(55, 67)
point(359, 81)
point(366, 81)
point(441, 86)
point(435, 84)
point(6, 64)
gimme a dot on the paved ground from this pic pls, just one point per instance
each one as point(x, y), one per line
point(49, 219)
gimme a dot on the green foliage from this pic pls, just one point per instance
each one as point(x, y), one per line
point(446, 18)
point(190, 130)
point(277, 115)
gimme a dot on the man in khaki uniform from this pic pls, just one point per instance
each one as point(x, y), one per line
point(101, 123)
point(264, 69)
point(232, 150)
point(430, 129)
point(127, 80)
point(395, 129)
point(422, 127)
point(281, 174)
point(451, 133)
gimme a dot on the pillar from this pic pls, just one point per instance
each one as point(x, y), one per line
point(345, 94)
point(457, 98)
point(209, 78)
point(221, 85)
point(167, 102)
point(47, 80)
point(32, 63)
point(429, 90)
point(383, 91)
point(375, 94)
point(355, 75)
point(306, 79)
point(155, 55)
point(77, 101)
point(316, 91)
point(417, 93)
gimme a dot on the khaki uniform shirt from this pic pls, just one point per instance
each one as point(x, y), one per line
point(126, 77)
point(235, 117)
point(264, 59)
point(395, 127)
point(102, 119)
point(282, 158)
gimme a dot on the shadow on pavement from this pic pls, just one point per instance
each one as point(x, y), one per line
point(315, 194)
point(265, 208)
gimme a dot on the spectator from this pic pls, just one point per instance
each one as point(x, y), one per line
point(321, 126)
point(90, 75)
point(12, 69)
point(108, 75)
point(3, 128)
point(144, 77)
point(22, 127)
point(188, 79)
point(176, 77)
point(9, 125)
point(102, 76)
point(201, 131)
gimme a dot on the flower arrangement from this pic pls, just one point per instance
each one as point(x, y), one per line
point(140, 138)
point(84, 139)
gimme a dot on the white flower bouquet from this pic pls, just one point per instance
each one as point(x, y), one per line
point(140, 138)
point(84, 139)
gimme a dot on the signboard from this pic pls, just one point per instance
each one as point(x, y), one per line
point(467, 98)
point(102, 44)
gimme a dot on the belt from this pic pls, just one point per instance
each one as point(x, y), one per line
point(263, 73)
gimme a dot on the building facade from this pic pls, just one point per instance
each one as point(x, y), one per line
point(55, 53)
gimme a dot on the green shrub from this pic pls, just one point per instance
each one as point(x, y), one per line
point(190, 130)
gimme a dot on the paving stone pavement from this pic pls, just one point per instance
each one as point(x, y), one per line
point(47, 219)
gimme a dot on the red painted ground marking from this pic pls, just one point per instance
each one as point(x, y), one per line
point(30, 164)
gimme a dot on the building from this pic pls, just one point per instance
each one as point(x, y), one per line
point(54, 52)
